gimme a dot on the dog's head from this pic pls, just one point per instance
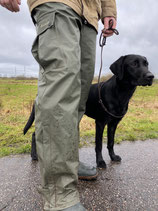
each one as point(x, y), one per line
point(133, 69)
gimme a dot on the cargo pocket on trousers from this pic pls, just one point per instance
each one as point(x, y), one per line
point(41, 28)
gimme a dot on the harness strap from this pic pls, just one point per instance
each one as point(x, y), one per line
point(102, 42)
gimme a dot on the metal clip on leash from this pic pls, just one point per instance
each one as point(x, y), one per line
point(102, 42)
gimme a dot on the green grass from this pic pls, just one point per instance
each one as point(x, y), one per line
point(16, 100)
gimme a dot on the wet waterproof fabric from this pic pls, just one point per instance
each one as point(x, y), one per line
point(91, 10)
point(65, 50)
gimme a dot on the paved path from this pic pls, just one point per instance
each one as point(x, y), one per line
point(128, 186)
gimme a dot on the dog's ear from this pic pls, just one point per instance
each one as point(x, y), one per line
point(117, 67)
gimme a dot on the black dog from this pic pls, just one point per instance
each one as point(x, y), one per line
point(129, 72)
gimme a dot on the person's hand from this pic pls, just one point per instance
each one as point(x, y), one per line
point(12, 5)
point(107, 25)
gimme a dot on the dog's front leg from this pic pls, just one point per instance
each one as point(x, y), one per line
point(100, 125)
point(110, 145)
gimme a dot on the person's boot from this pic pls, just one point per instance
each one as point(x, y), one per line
point(76, 207)
point(86, 172)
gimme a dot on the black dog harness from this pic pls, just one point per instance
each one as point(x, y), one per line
point(102, 42)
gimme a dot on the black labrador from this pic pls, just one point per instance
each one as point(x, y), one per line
point(109, 107)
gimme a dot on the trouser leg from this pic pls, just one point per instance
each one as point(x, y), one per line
point(88, 51)
point(57, 50)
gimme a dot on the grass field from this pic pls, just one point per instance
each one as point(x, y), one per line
point(16, 100)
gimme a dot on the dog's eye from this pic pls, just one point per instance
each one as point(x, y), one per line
point(135, 63)
point(146, 63)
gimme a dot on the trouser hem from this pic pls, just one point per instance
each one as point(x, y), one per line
point(63, 207)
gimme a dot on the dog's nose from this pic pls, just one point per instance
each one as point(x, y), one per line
point(149, 76)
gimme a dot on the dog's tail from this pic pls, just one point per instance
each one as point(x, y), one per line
point(30, 120)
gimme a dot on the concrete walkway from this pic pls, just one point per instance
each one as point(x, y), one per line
point(127, 186)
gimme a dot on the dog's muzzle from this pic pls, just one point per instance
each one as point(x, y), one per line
point(147, 79)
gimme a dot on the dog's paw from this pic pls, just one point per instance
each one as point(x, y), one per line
point(116, 158)
point(101, 164)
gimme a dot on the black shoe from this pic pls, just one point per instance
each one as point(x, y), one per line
point(87, 172)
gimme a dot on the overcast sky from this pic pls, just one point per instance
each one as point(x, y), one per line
point(137, 24)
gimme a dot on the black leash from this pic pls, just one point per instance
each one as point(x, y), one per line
point(102, 42)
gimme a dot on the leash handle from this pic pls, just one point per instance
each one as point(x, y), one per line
point(102, 40)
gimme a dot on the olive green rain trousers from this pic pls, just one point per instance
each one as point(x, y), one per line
point(65, 50)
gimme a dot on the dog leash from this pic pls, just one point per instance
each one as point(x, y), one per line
point(102, 42)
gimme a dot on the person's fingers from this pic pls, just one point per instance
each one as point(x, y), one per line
point(1, 3)
point(12, 5)
point(106, 23)
point(15, 5)
point(7, 5)
point(107, 33)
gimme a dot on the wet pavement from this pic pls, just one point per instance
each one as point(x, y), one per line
point(127, 186)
